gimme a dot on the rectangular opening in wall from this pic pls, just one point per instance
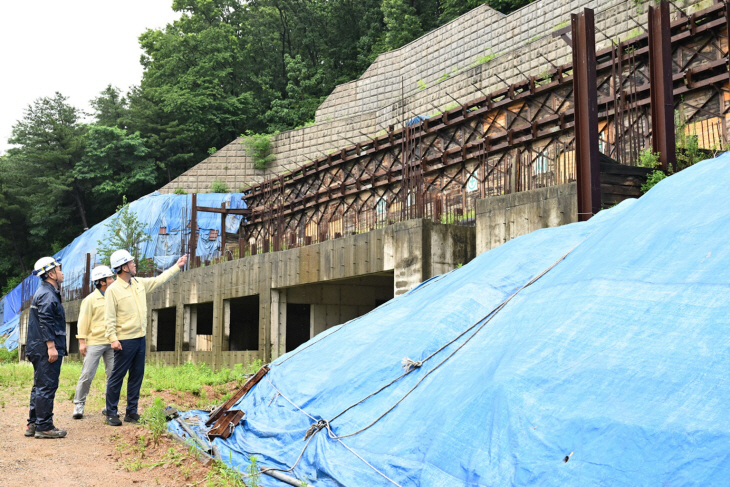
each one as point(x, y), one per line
point(241, 323)
point(164, 320)
point(73, 342)
point(331, 303)
point(198, 327)
point(298, 321)
point(204, 327)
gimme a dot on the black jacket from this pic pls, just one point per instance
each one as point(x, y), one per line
point(47, 321)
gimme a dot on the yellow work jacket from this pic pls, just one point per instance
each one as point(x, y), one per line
point(126, 305)
point(91, 325)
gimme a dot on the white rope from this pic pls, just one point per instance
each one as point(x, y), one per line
point(319, 425)
point(409, 364)
point(274, 397)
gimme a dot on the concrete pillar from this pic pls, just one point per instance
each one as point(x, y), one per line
point(226, 325)
point(179, 329)
point(410, 242)
point(152, 335)
point(278, 323)
point(217, 360)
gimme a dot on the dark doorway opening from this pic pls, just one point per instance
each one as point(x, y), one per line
point(298, 320)
point(166, 319)
point(204, 319)
point(73, 342)
point(244, 323)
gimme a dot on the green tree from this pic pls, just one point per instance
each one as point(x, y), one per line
point(111, 108)
point(114, 163)
point(125, 231)
point(50, 142)
point(402, 23)
point(13, 243)
point(303, 96)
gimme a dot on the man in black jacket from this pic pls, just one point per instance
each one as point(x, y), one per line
point(45, 348)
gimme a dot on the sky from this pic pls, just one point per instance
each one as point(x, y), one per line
point(76, 47)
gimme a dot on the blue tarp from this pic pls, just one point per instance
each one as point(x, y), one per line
point(11, 308)
point(154, 211)
point(610, 369)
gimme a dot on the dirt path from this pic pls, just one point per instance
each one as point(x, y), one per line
point(93, 454)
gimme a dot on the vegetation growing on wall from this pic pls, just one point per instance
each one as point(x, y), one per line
point(258, 148)
point(218, 187)
point(688, 151)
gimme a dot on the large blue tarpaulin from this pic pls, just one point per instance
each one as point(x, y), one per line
point(154, 211)
point(609, 368)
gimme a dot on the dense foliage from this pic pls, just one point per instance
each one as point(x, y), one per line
point(225, 68)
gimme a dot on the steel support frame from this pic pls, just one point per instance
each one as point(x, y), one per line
point(661, 86)
point(586, 113)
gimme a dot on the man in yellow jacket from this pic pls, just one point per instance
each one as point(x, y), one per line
point(126, 326)
point(93, 345)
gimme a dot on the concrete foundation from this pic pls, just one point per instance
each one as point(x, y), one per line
point(261, 306)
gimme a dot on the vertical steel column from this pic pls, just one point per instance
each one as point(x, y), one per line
point(193, 246)
point(661, 86)
point(223, 230)
point(585, 95)
point(86, 290)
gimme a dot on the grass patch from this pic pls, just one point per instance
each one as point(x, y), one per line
point(7, 356)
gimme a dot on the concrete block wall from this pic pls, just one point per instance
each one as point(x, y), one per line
point(453, 46)
point(372, 102)
point(502, 218)
point(232, 165)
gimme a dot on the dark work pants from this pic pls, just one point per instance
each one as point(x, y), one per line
point(43, 393)
point(129, 359)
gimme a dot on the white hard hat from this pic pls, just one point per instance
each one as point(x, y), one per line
point(100, 272)
point(119, 258)
point(44, 265)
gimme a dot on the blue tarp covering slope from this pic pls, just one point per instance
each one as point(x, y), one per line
point(153, 211)
point(616, 359)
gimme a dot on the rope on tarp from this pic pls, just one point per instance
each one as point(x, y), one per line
point(481, 324)
point(308, 437)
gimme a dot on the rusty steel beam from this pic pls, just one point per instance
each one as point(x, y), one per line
point(661, 86)
point(193, 246)
point(224, 214)
point(86, 290)
point(586, 114)
point(214, 416)
point(228, 211)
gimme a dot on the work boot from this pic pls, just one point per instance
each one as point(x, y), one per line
point(78, 410)
point(131, 418)
point(30, 430)
point(53, 433)
point(113, 420)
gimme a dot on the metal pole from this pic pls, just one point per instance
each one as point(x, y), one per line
point(223, 230)
point(661, 86)
point(193, 229)
point(87, 276)
point(585, 95)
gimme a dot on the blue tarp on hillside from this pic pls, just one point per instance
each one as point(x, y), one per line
point(11, 308)
point(610, 369)
point(154, 211)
